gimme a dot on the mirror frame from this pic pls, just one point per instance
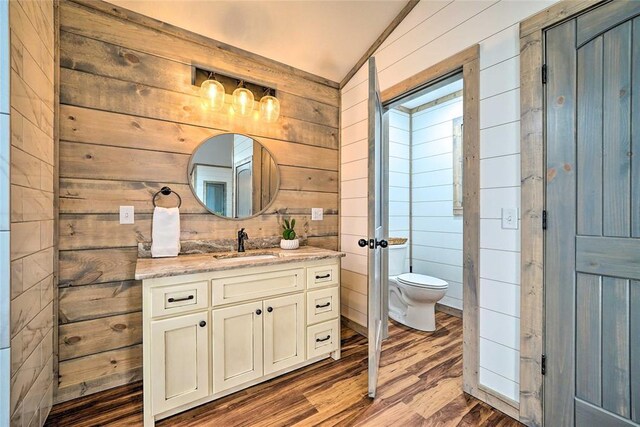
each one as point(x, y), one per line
point(193, 191)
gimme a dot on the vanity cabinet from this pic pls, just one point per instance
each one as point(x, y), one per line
point(209, 334)
point(180, 362)
point(254, 339)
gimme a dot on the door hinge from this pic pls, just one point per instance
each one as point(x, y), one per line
point(544, 74)
point(544, 220)
point(543, 364)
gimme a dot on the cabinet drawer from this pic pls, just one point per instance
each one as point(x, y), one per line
point(322, 305)
point(237, 288)
point(172, 299)
point(322, 275)
point(323, 338)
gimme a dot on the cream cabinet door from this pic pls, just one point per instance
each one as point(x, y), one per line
point(237, 345)
point(180, 362)
point(283, 332)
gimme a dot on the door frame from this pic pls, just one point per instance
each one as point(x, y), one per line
point(532, 157)
point(467, 62)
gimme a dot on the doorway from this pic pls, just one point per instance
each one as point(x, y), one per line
point(426, 203)
point(592, 261)
point(466, 63)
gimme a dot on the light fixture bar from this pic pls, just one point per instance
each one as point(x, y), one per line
point(230, 83)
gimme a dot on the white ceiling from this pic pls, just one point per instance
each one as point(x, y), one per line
point(325, 38)
point(432, 95)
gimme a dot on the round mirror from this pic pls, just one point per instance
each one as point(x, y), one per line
point(233, 176)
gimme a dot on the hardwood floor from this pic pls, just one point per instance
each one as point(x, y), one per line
point(420, 385)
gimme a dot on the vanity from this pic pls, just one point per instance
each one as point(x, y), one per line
point(217, 323)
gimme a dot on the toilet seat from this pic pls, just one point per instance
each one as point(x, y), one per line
point(422, 281)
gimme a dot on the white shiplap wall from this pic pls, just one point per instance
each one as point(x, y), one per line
point(437, 233)
point(432, 32)
point(399, 157)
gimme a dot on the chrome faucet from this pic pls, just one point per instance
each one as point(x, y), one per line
point(242, 236)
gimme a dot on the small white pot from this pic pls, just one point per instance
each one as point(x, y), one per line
point(290, 244)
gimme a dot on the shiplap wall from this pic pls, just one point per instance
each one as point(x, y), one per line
point(32, 175)
point(5, 220)
point(432, 32)
point(129, 120)
point(437, 233)
point(399, 182)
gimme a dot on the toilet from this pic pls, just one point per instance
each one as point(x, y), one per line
point(412, 297)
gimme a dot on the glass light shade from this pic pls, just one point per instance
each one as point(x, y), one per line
point(212, 93)
point(269, 108)
point(242, 101)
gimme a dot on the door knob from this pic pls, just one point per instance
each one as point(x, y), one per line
point(203, 323)
point(258, 312)
point(363, 243)
point(270, 309)
point(382, 243)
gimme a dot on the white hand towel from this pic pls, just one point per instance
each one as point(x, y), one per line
point(165, 232)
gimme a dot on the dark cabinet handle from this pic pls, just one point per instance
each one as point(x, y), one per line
point(323, 339)
point(363, 243)
point(258, 312)
point(270, 309)
point(382, 243)
point(326, 276)
point(203, 323)
point(180, 299)
point(323, 305)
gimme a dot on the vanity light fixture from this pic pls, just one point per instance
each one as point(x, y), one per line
point(242, 100)
point(217, 90)
point(212, 93)
point(269, 107)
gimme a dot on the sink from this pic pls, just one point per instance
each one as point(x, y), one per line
point(243, 257)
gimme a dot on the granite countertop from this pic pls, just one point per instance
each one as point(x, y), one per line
point(149, 268)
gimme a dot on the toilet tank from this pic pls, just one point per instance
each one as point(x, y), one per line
point(397, 259)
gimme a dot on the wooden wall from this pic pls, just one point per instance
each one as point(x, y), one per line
point(129, 119)
point(32, 216)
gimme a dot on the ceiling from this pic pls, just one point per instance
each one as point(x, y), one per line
point(433, 93)
point(325, 38)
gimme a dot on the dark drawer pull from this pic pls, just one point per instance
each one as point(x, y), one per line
point(323, 305)
point(326, 276)
point(180, 299)
point(202, 323)
point(323, 339)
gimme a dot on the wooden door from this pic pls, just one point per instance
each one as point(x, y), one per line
point(180, 362)
point(237, 345)
point(283, 332)
point(592, 245)
point(377, 229)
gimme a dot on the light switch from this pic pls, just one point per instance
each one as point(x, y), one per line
point(510, 218)
point(317, 214)
point(126, 215)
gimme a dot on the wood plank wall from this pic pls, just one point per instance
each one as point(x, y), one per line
point(129, 119)
point(32, 210)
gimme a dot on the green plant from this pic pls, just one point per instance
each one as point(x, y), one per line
point(289, 233)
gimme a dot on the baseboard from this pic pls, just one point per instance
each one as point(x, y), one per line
point(362, 330)
point(449, 310)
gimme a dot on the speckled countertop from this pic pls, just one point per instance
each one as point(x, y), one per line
point(149, 268)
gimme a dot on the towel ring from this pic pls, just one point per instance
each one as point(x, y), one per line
point(165, 191)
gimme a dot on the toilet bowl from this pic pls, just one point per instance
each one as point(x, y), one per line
point(412, 297)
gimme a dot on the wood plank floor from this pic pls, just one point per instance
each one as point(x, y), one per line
point(420, 385)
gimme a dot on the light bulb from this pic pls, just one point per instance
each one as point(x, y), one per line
point(243, 101)
point(212, 94)
point(269, 108)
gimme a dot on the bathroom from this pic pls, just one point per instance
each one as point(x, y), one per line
point(284, 213)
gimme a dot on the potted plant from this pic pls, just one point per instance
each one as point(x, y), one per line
point(289, 238)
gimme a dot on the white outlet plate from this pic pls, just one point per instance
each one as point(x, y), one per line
point(126, 215)
point(317, 214)
point(510, 218)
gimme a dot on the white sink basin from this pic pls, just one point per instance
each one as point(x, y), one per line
point(245, 257)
